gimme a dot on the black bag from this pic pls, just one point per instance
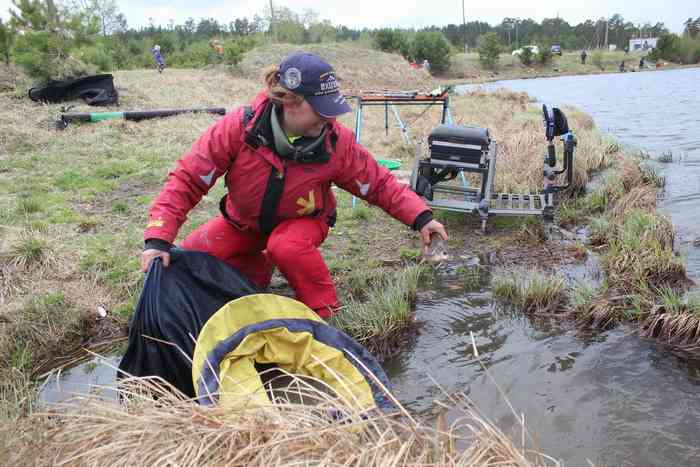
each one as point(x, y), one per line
point(175, 304)
point(94, 90)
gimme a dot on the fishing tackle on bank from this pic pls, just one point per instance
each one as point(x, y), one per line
point(137, 115)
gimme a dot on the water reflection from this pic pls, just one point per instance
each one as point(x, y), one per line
point(611, 398)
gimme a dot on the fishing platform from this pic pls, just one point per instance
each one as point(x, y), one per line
point(457, 169)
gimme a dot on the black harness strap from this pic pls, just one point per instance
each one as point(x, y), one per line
point(271, 200)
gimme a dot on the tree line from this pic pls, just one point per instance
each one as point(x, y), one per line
point(52, 39)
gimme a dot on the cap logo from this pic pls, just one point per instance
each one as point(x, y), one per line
point(329, 85)
point(292, 78)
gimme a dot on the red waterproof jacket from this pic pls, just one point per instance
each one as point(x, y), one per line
point(238, 150)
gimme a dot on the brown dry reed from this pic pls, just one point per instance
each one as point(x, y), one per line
point(156, 426)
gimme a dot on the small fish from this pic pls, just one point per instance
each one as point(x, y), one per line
point(436, 251)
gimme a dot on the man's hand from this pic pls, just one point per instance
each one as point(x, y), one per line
point(431, 227)
point(150, 254)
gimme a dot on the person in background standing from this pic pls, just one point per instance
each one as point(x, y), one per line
point(160, 63)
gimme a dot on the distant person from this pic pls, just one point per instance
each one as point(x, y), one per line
point(641, 63)
point(216, 45)
point(426, 65)
point(622, 66)
point(160, 63)
point(627, 49)
point(583, 57)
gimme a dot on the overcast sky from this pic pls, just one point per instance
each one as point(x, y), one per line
point(411, 13)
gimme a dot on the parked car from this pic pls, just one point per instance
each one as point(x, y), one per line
point(533, 48)
point(556, 49)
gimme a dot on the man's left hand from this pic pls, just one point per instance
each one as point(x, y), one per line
point(431, 227)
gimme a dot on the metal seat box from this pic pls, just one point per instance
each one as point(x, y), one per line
point(459, 143)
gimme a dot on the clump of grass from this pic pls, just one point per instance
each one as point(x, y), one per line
point(639, 197)
point(532, 230)
point(385, 311)
point(17, 391)
point(158, 426)
point(409, 254)
point(506, 289)
point(40, 329)
point(570, 212)
point(30, 248)
point(611, 188)
point(598, 230)
point(652, 176)
point(676, 319)
point(602, 313)
point(581, 298)
point(641, 251)
point(639, 263)
point(666, 157)
point(533, 293)
point(28, 205)
point(360, 280)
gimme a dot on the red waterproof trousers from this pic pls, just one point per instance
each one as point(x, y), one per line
point(292, 247)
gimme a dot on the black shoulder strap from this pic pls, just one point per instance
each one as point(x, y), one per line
point(271, 200)
point(248, 114)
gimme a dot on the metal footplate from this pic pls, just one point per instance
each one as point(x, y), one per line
point(502, 204)
point(517, 204)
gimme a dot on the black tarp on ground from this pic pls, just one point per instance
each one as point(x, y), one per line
point(94, 90)
point(174, 305)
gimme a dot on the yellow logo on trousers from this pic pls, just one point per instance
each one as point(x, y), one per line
point(155, 223)
point(307, 206)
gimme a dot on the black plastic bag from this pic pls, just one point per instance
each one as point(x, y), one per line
point(175, 304)
point(94, 90)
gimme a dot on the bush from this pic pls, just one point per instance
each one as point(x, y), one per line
point(668, 47)
point(195, 55)
point(526, 56)
point(690, 50)
point(389, 40)
point(42, 59)
point(432, 46)
point(233, 53)
point(544, 55)
point(489, 50)
point(98, 56)
point(597, 59)
point(6, 38)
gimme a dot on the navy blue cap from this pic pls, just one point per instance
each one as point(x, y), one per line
point(309, 76)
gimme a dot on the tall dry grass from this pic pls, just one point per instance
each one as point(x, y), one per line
point(155, 426)
point(514, 122)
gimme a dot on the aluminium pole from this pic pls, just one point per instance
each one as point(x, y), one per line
point(464, 28)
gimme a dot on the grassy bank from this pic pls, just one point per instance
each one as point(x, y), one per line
point(466, 67)
point(645, 281)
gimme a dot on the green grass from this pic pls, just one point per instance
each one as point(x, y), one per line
point(467, 66)
point(385, 310)
point(531, 292)
point(29, 249)
point(28, 205)
point(571, 212)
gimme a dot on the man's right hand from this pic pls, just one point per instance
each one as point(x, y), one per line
point(150, 254)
